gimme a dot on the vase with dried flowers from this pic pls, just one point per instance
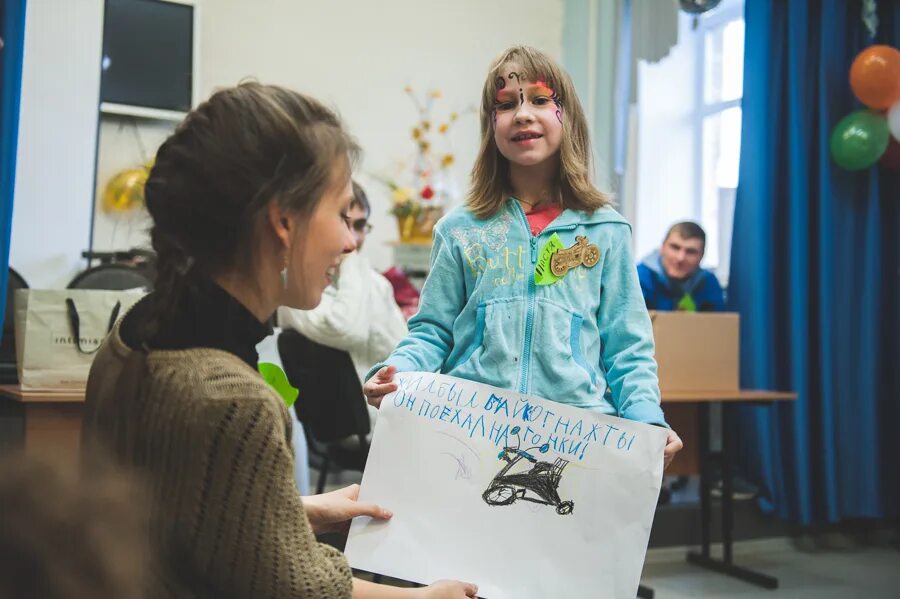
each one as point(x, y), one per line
point(424, 185)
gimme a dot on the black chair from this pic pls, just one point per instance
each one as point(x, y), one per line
point(8, 373)
point(117, 271)
point(330, 404)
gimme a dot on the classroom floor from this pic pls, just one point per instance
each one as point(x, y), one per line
point(851, 572)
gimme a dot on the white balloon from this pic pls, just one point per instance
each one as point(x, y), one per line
point(894, 120)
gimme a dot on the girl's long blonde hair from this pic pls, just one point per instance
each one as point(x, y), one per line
point(490, 175)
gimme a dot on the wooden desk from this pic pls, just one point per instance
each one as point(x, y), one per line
point(48, 422)
point(681, 408)
point(700, 402)
point(740, 395)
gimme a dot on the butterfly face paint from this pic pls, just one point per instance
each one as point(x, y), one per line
point(527, 118)
point(500, 84)
point(546, 89)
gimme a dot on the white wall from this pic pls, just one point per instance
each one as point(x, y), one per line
point(357, 56)
point(57, 135)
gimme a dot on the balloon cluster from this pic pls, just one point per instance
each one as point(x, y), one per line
point(871, 134)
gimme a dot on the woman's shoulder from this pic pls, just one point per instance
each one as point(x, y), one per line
point(212, 387)
point(198, 392)
point(211, 373)
point(206, 374)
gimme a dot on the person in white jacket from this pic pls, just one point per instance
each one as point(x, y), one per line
point(358, 313)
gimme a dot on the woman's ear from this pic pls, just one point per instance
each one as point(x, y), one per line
point(281, 223)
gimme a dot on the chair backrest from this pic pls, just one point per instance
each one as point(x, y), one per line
point(115, 277)
point(8, 340)
point(331, 404)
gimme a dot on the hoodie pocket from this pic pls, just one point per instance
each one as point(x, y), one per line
point(478, 341)
point(494, 354)
point(575, 346)
point(559, 368)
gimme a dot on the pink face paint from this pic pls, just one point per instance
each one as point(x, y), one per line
point(546, 90)
point(505, 95)
point(500, 84)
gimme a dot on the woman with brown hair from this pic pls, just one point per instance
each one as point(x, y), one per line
point(249, 201)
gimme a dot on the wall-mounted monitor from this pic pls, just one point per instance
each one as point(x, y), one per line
point(148, 59)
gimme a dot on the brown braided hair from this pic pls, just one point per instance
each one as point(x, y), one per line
point(215, 175)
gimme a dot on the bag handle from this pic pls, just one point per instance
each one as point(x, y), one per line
point(75, 323)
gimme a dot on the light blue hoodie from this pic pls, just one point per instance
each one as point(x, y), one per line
point(483, 318)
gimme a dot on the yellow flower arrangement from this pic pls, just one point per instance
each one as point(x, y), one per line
point(419, 203)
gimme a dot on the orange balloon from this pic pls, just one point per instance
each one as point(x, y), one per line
point(875, 77)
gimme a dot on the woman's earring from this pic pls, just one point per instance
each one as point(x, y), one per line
point(284, 275)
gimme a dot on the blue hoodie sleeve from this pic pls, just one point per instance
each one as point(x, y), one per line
point(430, 337)
point(647, 287)
point(627, 337)
point(712, 299)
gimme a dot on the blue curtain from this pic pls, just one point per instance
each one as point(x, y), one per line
point(12, 30)
point(815, 265)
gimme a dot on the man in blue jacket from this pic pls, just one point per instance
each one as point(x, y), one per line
point(671, 277)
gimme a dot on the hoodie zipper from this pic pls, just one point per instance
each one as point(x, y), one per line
point(530, 297)
point(529, 314)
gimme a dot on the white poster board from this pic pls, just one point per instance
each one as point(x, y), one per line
point(522, 496)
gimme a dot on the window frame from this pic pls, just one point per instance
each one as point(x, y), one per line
point(727, 12)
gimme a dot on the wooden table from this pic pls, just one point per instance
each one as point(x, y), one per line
point(49, 422)
point(681, 408)
point(728, 400)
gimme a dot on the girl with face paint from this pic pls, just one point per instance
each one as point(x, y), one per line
point(532, 285)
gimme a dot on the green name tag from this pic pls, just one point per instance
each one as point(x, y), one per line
point(276, 377)
point(542, 273)
point(686, 304)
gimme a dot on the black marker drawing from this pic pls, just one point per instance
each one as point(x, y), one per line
point(515, 482)
point(558, 102)
point(519, 83)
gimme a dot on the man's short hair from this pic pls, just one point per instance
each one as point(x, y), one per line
point(360, 199)
point(687, 230)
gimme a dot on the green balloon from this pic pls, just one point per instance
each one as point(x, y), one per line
point(276, 377)
point(859, 139)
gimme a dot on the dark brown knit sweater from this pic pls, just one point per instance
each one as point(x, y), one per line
point(212, 442)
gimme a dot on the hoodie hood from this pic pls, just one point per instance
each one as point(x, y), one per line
point(653, 261)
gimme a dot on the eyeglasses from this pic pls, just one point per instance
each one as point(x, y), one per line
point(361, 226)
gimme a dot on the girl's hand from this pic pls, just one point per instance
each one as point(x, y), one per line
point(332, 512)
point(380, 385)
point(448, 589)
point(673, 446)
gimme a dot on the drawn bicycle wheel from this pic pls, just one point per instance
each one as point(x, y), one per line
point(565, 508)
point(499, 495)
point(590, 256)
